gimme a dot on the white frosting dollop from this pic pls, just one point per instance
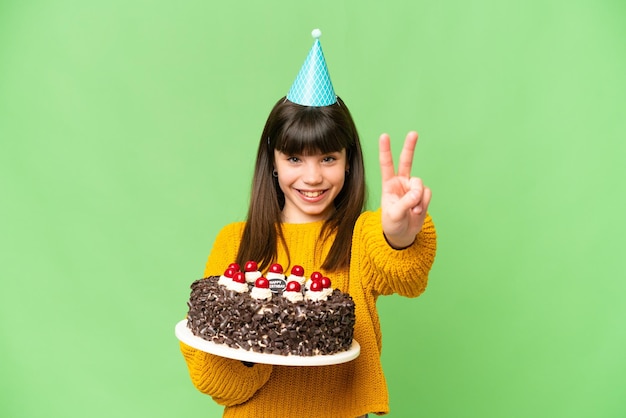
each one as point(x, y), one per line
point(299, 279)
point(223, 280)
point(261, 293)
point(251, 276)
point(315, 296)
point(237, 287)
point(271, 276)
point(328, 291)
point(293, 296)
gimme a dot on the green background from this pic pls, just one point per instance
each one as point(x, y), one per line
point(127, 136)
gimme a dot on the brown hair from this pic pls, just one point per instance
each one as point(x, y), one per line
point(297, 129)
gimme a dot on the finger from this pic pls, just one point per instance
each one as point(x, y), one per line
point(416, 189)
point(426, 198)
point(387, 170)
point(416, 184)
point(417, 192)
point(407, 203)
point(422, 207)
point(406, 156)
point(412, 199)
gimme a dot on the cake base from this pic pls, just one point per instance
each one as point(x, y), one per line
point(184, 334)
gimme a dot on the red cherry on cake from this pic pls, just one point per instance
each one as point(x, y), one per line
point(293, 286)
point(230, 272)
point(325, 282)
point(234, 266)
point(316, 286)
point(316, 275)
point(297, 271)
point(276, 268)
point(262, 283)
point(239, 277)
point(251, 266)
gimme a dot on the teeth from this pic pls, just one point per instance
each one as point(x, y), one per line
point(311, 194)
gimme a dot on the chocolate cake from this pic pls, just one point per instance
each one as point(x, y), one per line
point(290, 320)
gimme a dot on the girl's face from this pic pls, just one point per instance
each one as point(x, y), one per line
point(310, 184)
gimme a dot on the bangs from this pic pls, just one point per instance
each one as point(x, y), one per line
point(313, 131)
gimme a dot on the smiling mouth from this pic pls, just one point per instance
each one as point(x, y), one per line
point(312, 195)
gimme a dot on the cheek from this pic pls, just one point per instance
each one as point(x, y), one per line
point(284, 180)
point(339, 179)
point(281, 184)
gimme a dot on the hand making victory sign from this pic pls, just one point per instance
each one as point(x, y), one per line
point(404, 199)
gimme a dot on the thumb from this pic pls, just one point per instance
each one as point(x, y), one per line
point(410, 201)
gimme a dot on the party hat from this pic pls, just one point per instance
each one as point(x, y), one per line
point(312, 86)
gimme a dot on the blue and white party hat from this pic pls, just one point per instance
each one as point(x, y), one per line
point(312, 86)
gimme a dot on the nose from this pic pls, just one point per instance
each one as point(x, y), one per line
point(312, 174)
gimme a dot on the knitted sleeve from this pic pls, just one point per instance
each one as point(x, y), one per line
point(385, 270)
point(229, 382)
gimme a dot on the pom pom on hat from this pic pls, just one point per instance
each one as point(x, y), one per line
point(312, 86)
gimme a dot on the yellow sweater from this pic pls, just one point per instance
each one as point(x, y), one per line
point(340, 391)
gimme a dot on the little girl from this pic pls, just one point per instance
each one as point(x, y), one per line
point(306, 208)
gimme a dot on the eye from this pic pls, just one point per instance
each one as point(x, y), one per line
point(331, 158)
point(293, 159)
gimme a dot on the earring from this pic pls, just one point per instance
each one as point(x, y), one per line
point(275, 173)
